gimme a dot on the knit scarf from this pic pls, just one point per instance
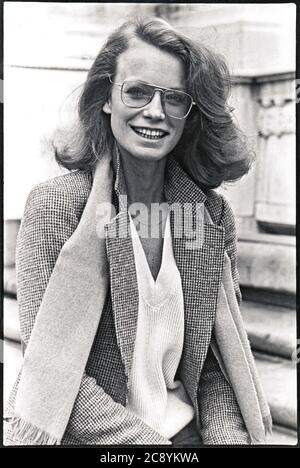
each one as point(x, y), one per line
point(68, 318)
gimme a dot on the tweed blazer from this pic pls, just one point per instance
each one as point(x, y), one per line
point(52, 213)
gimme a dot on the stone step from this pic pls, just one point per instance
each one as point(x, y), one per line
point(11, 319)
point(271, 329)
point(279, 380)
point(9, 281)
point(268, 262)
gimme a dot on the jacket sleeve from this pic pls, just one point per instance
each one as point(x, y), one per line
point(49, 220)
point(220, 416)
point(228, 222)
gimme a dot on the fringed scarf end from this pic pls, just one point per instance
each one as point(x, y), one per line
point(28, 434)
point(259, 437)
point(267, 420)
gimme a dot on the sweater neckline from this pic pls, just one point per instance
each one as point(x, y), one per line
point(155, 291)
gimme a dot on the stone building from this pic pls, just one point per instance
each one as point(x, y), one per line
point(48, 50)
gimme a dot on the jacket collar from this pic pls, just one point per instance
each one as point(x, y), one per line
point(179, 187)
point(200, 269)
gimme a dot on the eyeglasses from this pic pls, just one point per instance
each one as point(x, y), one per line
point(137, 94)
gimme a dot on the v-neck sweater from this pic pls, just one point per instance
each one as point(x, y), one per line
point(154, 394)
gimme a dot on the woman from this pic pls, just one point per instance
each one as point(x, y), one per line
point(121, 267)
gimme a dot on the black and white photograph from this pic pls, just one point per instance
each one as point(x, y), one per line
point(149, 225)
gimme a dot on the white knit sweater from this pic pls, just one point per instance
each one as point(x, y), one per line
point(154, 395)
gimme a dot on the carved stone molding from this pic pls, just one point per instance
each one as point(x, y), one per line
point(276, 117)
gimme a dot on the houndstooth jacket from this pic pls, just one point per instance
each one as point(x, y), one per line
point(99, 415)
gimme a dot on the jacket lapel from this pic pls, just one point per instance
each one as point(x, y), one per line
point(123, 285)
point(200, 268)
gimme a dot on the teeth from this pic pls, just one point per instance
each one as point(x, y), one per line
point(145, 132)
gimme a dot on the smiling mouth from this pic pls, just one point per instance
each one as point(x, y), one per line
point(150, 134)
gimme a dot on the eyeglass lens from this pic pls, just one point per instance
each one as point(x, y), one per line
point(136, 94)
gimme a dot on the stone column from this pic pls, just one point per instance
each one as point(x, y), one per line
point(275, 207)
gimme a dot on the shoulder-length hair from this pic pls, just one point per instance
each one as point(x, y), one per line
point(212, 149)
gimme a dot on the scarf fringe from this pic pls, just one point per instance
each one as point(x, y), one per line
point(256, 440)
point(267, 420)
point(28, 434)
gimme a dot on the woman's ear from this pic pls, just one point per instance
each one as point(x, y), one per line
point(107, 108)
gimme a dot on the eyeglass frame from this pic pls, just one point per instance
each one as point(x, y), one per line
point(156, 88)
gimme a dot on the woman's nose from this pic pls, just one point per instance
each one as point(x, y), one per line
point(154, 109)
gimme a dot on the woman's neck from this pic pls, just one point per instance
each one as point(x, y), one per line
point(144, 179)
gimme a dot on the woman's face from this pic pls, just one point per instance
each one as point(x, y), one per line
point(147, 63)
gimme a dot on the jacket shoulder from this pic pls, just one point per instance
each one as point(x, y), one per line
point(70, 189)
point(215, 204)
point(221, 212)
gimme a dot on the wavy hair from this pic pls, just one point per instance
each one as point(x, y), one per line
point(212, 148)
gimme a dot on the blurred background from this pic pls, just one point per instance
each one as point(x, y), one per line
point(48, 49)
